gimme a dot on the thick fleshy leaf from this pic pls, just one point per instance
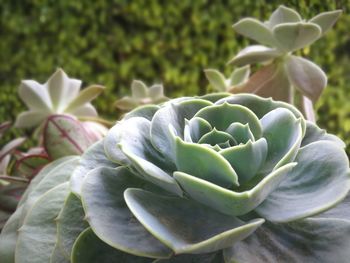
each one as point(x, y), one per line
point(241, 133)
point(156, 92)
point(153, 173)
point(108, 214)
point(320, 181)
point(58, 174)
point(139, 90)
point(254, 54)
point(306, 76)
point(261, 106)
point(326, 19)
point(86, 110)
point(8, 237)
point(293, 36)
point(29, 119)
point(216, 79)
point(240, 75)
point(186, 226)
point(197, 127)
point(246, 159)
point(203, 162)
point(63, 136)
point(310, 240)
point(146, 111)
point(85, 96)
point(70, 223)
point(10, 146)
point(256, 30)
point(216, 137)
point(314, 133)
point(132, 139)
point(39, 227)
point(283, 14)
point(228, 201)
point(92, 158)
point(61, 88)
point(90, 249)
point(41, 175)
point(229, 114)
point(35, 96)
point(340, 211)
point(283, 134)
point(175, 114)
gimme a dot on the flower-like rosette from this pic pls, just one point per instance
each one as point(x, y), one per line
point(201, 174)
point(206, 179)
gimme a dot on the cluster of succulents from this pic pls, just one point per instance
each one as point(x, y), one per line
point(175, 182)
point(213, 178)
point(141, 95)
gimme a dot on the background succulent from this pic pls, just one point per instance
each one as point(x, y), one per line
point(59, 95)
point(237, 78)
point(140, 95)
point(284, 76)
point(206, 179)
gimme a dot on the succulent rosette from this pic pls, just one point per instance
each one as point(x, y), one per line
point(216, 178)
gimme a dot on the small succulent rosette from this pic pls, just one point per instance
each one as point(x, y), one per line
point(217, 178)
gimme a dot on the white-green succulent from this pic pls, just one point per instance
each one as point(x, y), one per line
point(222, 84)
point(141, 95)
point(217, 178)
point(59, 95)
point(284, 76)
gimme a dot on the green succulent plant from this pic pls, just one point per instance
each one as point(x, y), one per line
point(238, 78)
point(59, 95)
point(217, 178)
point(140, 95)
point(284, 76)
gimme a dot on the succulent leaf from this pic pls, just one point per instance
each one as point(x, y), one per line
point(308, 240)
point(283, 14)
point(239, 76)
point(216, 78)
point(179, 227)
point(319, 181)
point(64, 135)
point(326, 19)
point(256, 30)
point(293, 36)
point(254, 54)
point(306, 76)
point(40, 229)
point(107, 213)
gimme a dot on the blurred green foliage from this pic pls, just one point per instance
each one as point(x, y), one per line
point(112, 42)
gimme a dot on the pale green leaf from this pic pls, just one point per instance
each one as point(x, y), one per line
point(293, 36)
point(186, 226)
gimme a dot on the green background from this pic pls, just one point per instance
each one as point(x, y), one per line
point(114, 42)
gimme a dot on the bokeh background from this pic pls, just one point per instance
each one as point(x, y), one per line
point(112, 42)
